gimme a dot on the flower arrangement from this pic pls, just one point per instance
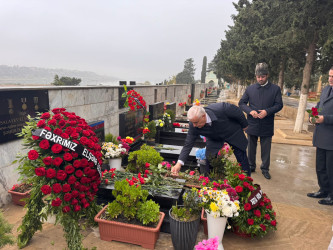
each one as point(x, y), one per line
point(63, 163)
point(182, 104)
point(159, 123)
point(313, 113)
point(134, 100)
point(210, 244)
point(129, 140)
point(145, 130)
point(219, 203)
point(111, 150)
point(196, 102)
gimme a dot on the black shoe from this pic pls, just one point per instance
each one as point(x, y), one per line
point(253, 169)
point(317, 195)
point(266, 175)
point(326, 201)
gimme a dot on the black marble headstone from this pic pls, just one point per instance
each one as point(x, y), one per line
point(156, 111)
point(132, 83)
point(15, 105)
point(172, 106)
point(130, 123)
point(122, 82)
point(98, 128)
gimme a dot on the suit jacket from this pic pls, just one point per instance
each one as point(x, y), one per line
point(323, 133)
point(268, 98)
point(227, 125)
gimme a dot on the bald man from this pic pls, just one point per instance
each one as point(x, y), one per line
point(219, 123)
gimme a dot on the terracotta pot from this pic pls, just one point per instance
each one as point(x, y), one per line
point(124, 232)
point(204, 222)
point(17, 197)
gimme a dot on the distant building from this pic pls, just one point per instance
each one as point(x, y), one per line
point(211, 78)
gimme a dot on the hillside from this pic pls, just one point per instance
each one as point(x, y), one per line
point(17, 75)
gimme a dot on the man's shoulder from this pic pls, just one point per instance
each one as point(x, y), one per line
point(275, 86)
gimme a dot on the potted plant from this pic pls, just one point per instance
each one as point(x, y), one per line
point(150, 133)
point(130, 217)
point(185, 220)
point(19, 193)
point(113, 153)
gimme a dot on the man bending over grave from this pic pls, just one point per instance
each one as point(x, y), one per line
point(219, 123)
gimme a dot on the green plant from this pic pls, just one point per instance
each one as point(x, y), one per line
point(137, 160)
point(111, 138)
point(152, 129)
point(131, 203)
point(172, 115)
point(5, 232)
point(191, 209)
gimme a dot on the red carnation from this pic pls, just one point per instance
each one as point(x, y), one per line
point(247, 206)
point(86, 133)
point(35, 138)
point(71, 180)
point(239, 189)
point(250, 221)
point(66, 209)
point(267, 217)
point(79, 173)
point(47, 128)
point(257, 213)
point(241, 177)
point(77, 164)
point(74, 135)
point(50, 173)
point(40, 171)
point(67, 197)
point(77, 208)
point(56, 188)
point(74, 202)
point(46, 189)
point(273, 223)
point(86, 205)
point(66, 188)
point(147, 165)
point(45, 115)
point(41, 124)
point(61, 175)
point(261, 204)
point(56, 110)
point(68, 157)
point(33, 154)
point(44, 144)
point(263, 227)
point(57, 202)
point(64, 135)
point(57, 116)
point(84, 140)
point(75, 193)
point(57, 131)
point(57, 161)
point(56, 148)
point(69, 169)
point(52, 122)
point(75, 155)
point(62, 123)
point(47, 160)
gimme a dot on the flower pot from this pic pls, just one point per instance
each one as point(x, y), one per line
point(124, 232)
point(17, 197)
point(204, 222)
point(216, 227)
point(183, 233)
point(115, 163)
point(236, 230)
point(150, 142)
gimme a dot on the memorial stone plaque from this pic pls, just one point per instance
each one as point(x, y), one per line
point(132, 83)
point(156, 111)
point(122, 100)
point(122, 82)
point(130, 123)
point(15, 106)
point(172, 106)
point(98, 128)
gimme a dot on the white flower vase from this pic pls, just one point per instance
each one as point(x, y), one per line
point(216, 227)
point(115, 163)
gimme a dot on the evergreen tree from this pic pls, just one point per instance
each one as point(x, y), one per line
point(204, 68)
point(187, 75)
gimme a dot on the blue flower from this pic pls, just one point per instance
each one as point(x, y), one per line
point(201, 154)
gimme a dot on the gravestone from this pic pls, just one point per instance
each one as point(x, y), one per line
point(130, 123)
point(132, 82)
point(98, 128)
point(122, 82)
point(15, 105)
point(156, 111)
point(172, 106)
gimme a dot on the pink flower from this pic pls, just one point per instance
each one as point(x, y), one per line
point(192, 173)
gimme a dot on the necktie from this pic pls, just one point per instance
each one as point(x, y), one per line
point(330, 93)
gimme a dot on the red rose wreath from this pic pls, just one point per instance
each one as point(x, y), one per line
point(63, 166)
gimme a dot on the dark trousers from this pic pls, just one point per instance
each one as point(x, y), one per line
point(242, 159)
point(324, 169)
point(265, 144)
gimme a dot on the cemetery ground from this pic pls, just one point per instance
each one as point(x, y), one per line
point(302, 222)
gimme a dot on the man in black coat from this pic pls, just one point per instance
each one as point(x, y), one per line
point(323, 140)
point(260, 102)
point(219, 123)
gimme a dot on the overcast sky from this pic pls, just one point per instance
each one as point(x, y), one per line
point(140, 40)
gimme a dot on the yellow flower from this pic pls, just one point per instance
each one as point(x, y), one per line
point(225, 192)
point(161, 124)
point(237, 205)
point(213, 207)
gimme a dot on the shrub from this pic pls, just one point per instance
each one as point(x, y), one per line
point(111, 138)
point(152, 129)
point(5, 232)
point(191, 209)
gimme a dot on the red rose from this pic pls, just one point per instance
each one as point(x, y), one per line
point(62, 123)
point(57, 116)
point(147, 165)
point(47, 128)
point(74, 202)
point(257, 213)
point(267, 217)
point(86, 205)
point(40, 171)
point(245, 184)
point(86, 133)
point(84, 140)
point(247, 206)
point(251, 188)
point(50, 173)
point(241, 177)
point(75, 194)
point(47, 160)
point(75, 155)
point(57, 161)
point(69, 169)
point(273, 223)
point(56, 148)
point(56, 188)
point(250, 221)
point(77, 208)
point(57, 131)
point(67, 197)
point(66, 209)
point(57, 202)
point(52, 122)
point(41, 124)
point(35, 138)
point(61, 175)
point(263, 227)
point(56, 110)
point(33, 154)
point(66, 188)
point(44, 144)
point(77, 164)
point(45, 115)
point(74, 135)
point(239, 189)
point(314, 111)
point(79, 173)
point(64, 135)
point(46, 189)
point(71, 180)
point(261, 204)
point(68, 157)
point(72, 123)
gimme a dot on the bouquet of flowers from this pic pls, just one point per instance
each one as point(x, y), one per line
point(159, 123)
point(111, 150)
point(219, 203)
point(313, 113)
point(182, 104)
point(133, 100)
point(196, 102)
point(210, 244)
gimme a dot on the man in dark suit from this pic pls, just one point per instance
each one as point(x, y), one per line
point(219, 123)
point(260, 102)
point(323, 140)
